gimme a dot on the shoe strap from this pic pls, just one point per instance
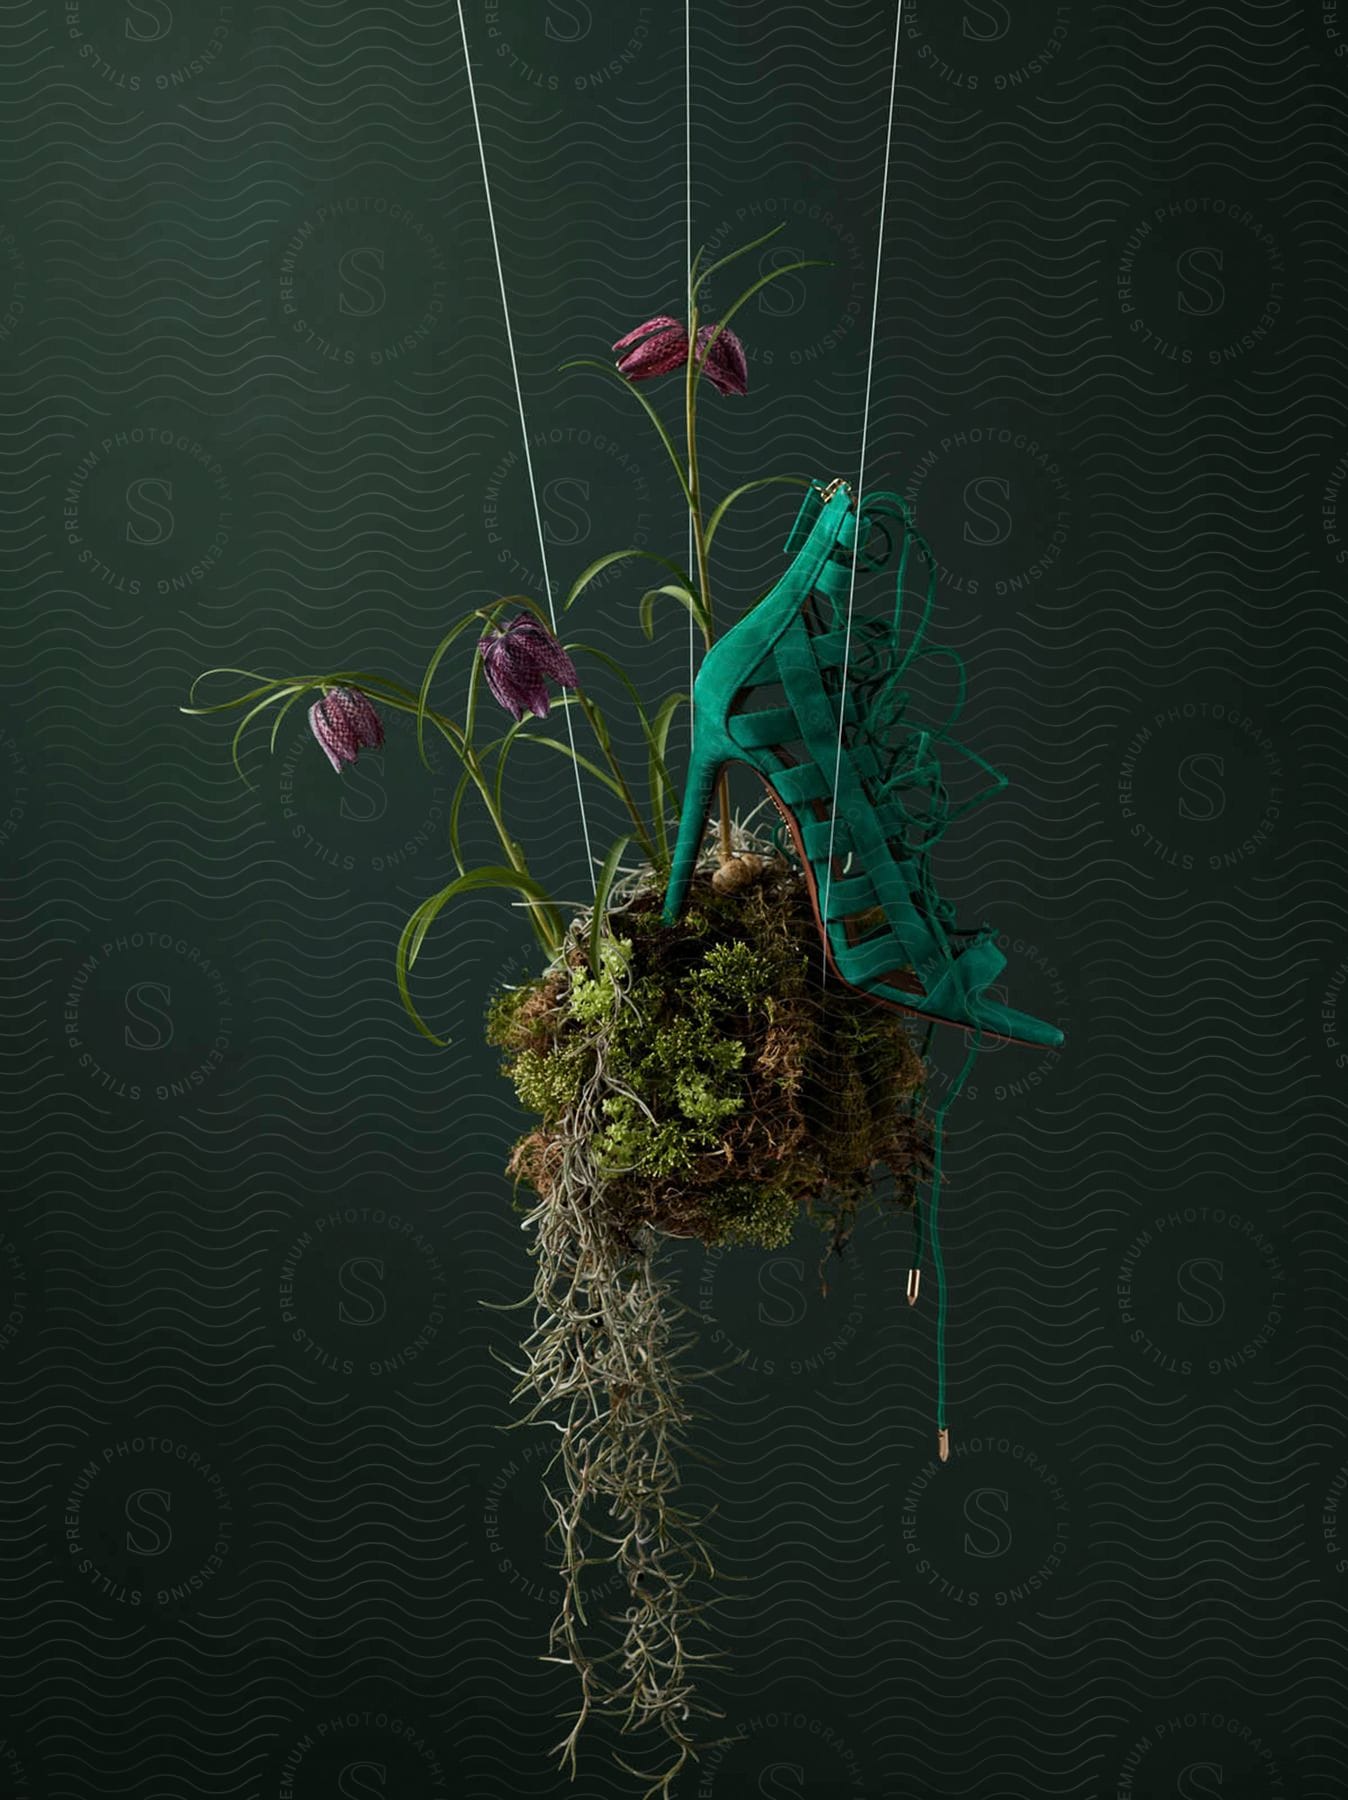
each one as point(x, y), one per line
point(957, 993)
point(953, 980)
point(870, 812)
point(815, 722)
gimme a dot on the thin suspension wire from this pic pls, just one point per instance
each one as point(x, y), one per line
point(861, 479)
point(688, 198)
point(524, 430)
point(931, 1234)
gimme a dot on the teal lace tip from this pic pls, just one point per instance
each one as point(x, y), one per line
point(933, 1240)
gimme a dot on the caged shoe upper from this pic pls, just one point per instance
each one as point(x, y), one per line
point(768, 693)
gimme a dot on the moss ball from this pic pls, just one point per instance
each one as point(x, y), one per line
point(738, 1087)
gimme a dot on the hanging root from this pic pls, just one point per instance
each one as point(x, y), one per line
point(600, 1366)
point(702, 1085)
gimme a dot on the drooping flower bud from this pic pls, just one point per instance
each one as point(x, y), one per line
point(518, 663)
point(727, 367)
point(664, 347)
point(344, 722)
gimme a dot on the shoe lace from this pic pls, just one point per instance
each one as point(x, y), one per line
point(909, 775)
point(909, 778)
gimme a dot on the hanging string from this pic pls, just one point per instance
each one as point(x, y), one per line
point(688, 202)
point(931, 1233)
point(524, 432)
point(861, 471)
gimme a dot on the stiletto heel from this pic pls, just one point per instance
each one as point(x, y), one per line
point(720, 680)
point(703, 771)
point(841, 788)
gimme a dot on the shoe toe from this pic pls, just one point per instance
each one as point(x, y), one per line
point(965, 993)
point(1005, 1021)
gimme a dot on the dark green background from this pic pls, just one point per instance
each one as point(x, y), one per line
point(256, 1228)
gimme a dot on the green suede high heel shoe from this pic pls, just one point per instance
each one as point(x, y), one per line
point(766, 695)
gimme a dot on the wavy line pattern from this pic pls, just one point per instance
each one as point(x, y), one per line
point(262, 1535)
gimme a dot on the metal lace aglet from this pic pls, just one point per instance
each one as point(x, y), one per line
point(943, 1443)
point(914, 1277)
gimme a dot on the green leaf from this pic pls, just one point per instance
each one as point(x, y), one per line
point(269, 684)
point(685, 596)
point(382, 689)
point(298, 695)
point(599, 725)
point(812, 262)
point(602, 889)
point(261, 706)
point(661, 781)
point(654, 735)
point(553, 743)
point(503, 745)
point(615, 667)
point(584, 579)
point(414, 932)
point(745, 488)
point(590, 362)
point(707, 274)
point(456, 806)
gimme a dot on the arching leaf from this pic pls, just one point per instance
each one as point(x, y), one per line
point(503, 745)
point(744, 250)
point(414, 932)
point(261, 706)
point(590, 362)
point(603, 887)
point(298, 695)
point(661, 781)
point(654, 735)
point(747, 488)
point(455, 807)
point(583, 580)
point(599, 774)
point(811, 262)
point(685, 597)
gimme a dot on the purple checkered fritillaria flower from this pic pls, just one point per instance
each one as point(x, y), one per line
point(345, 723)
point(727, 367)
point(520, 661)
point(661, 345)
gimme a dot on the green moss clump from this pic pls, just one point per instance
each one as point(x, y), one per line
point(550, 1083)
point(753, 1212)
point(738, 1087)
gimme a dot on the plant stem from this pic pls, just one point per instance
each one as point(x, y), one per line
point(699, 537)
point(549, 935)
point(605, 744)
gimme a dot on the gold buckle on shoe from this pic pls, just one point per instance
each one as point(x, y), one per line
point(833, 486)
